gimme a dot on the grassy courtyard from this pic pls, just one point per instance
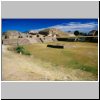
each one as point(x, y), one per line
point(81, 56)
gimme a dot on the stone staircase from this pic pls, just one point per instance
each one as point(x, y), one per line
point(48, 39)
point(23, 41)
point(34, 40)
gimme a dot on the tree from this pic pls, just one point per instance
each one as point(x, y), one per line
point(76, 33)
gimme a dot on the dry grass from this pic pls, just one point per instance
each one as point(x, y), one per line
point(80, 55)
point(78, 62)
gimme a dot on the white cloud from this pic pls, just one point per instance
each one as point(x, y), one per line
point(38, 29)
point(72, 26)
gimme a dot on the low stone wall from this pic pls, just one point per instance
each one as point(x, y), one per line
point(23, 41)
point(15, 41)
point(34, 40)
point(48, 39)
point(9, 41)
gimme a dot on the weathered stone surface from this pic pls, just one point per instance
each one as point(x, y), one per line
point(15, 37)
point(22, 41)
point(51, 32)
point(93, 33)
point(46, 35)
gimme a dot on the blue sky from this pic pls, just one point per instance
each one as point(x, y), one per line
point(83, 25)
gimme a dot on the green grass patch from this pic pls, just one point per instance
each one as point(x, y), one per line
point(22, 50)
point(77, 65)
point(89, 69)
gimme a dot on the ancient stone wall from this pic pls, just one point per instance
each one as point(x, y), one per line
point(21, 41)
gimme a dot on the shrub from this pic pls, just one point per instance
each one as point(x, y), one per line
point(21, 49)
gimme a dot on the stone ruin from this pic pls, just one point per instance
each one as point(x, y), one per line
point(18, 38)
point(46, 35)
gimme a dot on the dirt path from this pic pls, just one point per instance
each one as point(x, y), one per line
point(19, 67)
